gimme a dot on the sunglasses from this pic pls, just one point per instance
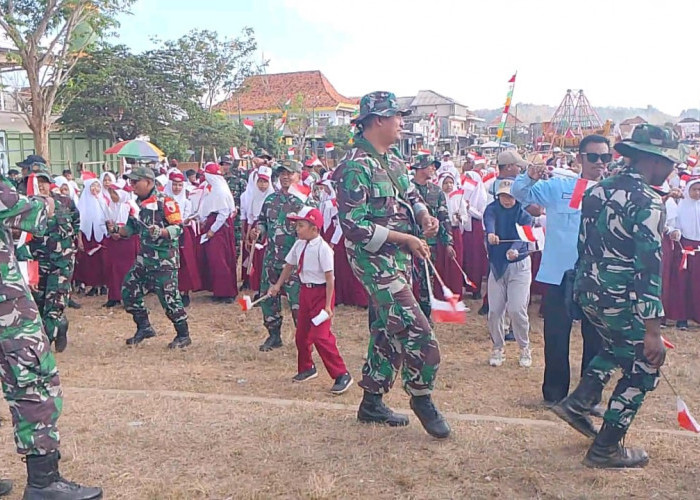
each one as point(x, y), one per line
point(594, 157)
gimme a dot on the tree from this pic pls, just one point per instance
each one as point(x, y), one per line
point(266, 136)
point(202, 129)
point(300, 120)
point(339, 135)
point(51, 36)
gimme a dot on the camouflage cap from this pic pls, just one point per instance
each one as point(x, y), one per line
point(262, 153)
point(31, 160)
point(289, 165)
point(380, 103)
point(659, 141)
point(43, 171)
point(138, 173)
point(424, 161)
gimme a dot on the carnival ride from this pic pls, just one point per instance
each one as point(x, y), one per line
point(574, 119)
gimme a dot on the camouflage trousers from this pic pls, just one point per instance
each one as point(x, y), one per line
point(53, 294)
point(422, 276)
point(163, 281)
point(272, 307)
point(623, 346)
point(29, 377)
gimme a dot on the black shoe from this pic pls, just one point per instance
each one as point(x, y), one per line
point(575, 416)
point(227, 300)
point(73, 304)
point(432, 420)
point(93, 292)
point(5, 487)
point(373, 411)
point(682, 325)
point(103, 290)
point(61, 341)
point(273, 341)
point(476, 296)
point(598, 411)
point(144, 330)
point(484, 310)
point(305, 375)
point(342, 384)
point(182, 339)
point(45, 483)
point(185, 300)
point(606, 452)
point(509, 336)
point(112, 303)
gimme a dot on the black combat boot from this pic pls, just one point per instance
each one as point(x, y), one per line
point(185, 300)
point(73, 304)
point(182, 339)
point(144, 330)
point(607, 452)
point(373, 411)
point(5, 487)
point(61, 341)
point(273, 341)
point(576, 409)
point(433, 421)
point(45, 483)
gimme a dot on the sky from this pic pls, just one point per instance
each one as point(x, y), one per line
point(626, 53)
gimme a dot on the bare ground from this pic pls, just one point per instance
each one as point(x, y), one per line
point(223, 420)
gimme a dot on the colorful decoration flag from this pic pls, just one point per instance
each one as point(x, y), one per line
point(450, 310)
point(329, 147)
point(506, 108)
point(248, 124)
point(579, 189)
point(685, 419)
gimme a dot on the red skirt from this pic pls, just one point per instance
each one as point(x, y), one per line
point(475, 260)
point(681, 290)
point(120, 256)
point(449, 271)
point(348, 289)
point(91, 269)
point(220, 259)
point(244, 252)
point(188, 277)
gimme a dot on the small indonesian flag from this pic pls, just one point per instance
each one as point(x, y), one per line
point(471, 155)
point(526, 233)
point(685, 419)
point(469, 282)
point(248, 124)
point(422, 152)
point(86, 175)
point(488, 176)
point(290, 151)
point(23, 239)
point(479, 160)
point(667, 344)
point(30, 271)
point(457, 192)
point(468, 180)
point(234, 153)
point(246, 303)
point(691, 161)
point(579, 189)
point(301, 191)
point(450, 310)
point(32, 185)
point(313, 162)
point(685, 252)
point(329, 147)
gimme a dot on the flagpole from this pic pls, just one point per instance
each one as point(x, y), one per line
point(506, 109)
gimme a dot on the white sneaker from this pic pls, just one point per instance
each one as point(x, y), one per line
point(525, 357)
point(498, 356)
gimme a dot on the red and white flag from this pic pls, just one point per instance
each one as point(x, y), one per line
point(246, 303)
point(248, 124)
point(457, 192)
point(579, 189)
point(685, 419)
point(691, 161)
point(329, 147)
point(667, 343)
point(234, 153)
point(86, 174)
point(526, 233)
point(313, 162)
point(450, 310)
point(685, 252)
point(30, 271)
point(301, 191)
point(290, 151)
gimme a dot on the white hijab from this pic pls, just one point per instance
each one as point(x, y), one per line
point(255, 199)
point(181, 199)
point(93, 212)
point(216, 196)
point(328, 204)
point(456, 202)
point(72, 193)
point(476, 195)
point(688, 215)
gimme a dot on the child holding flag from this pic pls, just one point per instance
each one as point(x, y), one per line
point(313, 259)
point(510, 275)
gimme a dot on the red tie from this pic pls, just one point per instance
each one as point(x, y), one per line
point(301, 259)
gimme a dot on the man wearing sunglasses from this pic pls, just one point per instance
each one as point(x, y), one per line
point(559, 255)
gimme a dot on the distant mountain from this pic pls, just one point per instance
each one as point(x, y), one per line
point(535, 113)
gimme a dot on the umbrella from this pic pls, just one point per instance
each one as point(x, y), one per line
point(491, 144)
point(136, 148)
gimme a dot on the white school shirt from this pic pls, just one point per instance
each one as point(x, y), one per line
point(318, 260)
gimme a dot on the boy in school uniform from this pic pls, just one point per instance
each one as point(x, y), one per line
point(313, 259)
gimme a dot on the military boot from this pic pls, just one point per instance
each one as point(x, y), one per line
point(61, 341)
point(432, 420)
point(182, 339)
point(5, 487)
point(45, 483)
point(576, 409)
point(373, 411)
point(273, 341)
point(144, 330)
point(607, 452)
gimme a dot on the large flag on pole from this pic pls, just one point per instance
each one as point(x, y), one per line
point(506, 108)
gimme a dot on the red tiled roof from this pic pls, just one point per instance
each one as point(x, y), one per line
point(510, 121)
point(267, 92)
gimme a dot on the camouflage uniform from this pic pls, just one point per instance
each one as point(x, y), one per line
point(28, 370)
point(375, 195)
point(158, 259)
point(237, 182)
point(618, 285)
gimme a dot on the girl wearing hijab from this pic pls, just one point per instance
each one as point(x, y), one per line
point(66, 188)
point(106, 180)
point(90, 263)
point(681, 298)
point(474, 251)
point(216, 212)
point(457, 206)
point(254, 199)
point(189, 279)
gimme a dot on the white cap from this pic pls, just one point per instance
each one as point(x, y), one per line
point(446, 153)
point(556, 150)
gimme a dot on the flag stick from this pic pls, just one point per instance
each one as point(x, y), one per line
point(267, 295)
point(436, 273)
point(467, 281)
point(669, 383)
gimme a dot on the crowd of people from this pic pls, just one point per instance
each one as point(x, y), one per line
point(359, 234)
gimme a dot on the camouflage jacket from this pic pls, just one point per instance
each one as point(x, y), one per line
point(162, 211)
point(375, 196)
point(237, 181)
point(58, 243)
point(622, 220)
point(25, 214)
point(437, 206)
point(274, 225)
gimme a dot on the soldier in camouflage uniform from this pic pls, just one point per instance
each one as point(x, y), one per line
point(159, 228)
point(279, 233)
point(379, 211)
point(28, 370)
point(618, 285)
point(55, 252)
point(237, 181)
point(424, 169)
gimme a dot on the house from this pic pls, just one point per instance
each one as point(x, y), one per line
point(512, 122)
point(261, 96)
point(627, 126)
point(689, 127)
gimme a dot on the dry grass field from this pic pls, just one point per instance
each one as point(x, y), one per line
point(222, 420)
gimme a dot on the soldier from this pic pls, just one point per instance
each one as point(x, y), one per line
point(28, 370)
point(237, 181)
point(55, 252)
point(159, 227)
point(31, 164)
point(280, 235)
point(424, 169)
point(618, 285)
point(379, 209)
